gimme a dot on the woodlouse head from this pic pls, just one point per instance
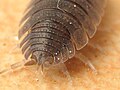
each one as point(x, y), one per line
point(42, 58)
point(48, 60)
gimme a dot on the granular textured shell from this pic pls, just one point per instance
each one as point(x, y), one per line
point(55, 29)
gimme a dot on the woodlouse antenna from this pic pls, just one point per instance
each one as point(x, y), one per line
point(13, 67)
point(18, 65)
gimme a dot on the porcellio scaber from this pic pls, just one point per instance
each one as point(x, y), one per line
point(54, 30)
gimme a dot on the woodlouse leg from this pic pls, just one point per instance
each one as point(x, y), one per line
point(39, 73)
point(86, 61)
point(98, 47)
point(58, 4)
point(18, 65)
point(64, 70)
point(41, 70)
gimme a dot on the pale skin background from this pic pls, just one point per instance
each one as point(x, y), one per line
point(106, 61)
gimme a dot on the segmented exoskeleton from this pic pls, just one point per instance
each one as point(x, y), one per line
point(55, 29)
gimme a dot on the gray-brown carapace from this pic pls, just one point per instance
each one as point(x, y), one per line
point(53, 30)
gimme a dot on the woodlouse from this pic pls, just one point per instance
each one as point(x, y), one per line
point(54, 30)
point(57, 28)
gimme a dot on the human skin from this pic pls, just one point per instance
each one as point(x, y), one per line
point(106, 60)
